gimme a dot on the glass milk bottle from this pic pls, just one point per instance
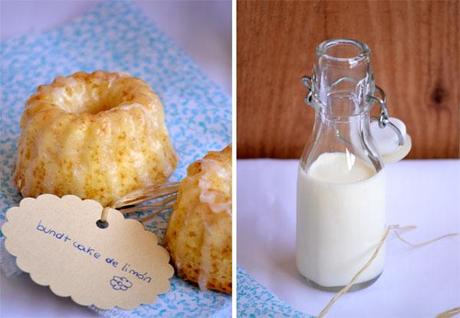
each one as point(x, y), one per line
point(341, 185)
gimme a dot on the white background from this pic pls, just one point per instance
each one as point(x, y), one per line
point(416, 282)
point(201, 28)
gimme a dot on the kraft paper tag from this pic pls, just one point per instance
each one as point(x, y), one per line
point(57, 241)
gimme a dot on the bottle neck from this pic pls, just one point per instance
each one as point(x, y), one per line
point(343, 105)
point(344, 134)
point(342, 78)
point(340, 87)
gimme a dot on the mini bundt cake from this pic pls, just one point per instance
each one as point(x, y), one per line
point(97, 136)
point(199, 234)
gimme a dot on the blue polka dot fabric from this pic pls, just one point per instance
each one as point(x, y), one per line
point(116, 36)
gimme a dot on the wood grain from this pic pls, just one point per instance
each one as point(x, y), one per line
point(415, 56)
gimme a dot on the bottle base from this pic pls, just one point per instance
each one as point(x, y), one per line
point(335, 289)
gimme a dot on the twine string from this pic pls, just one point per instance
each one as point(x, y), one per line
point(146, 194)
point(163, 196)
point(104, 213)
point(449, 313)
point(352, 281)
point(152, 215)
point(158, 205)
point(395, 228)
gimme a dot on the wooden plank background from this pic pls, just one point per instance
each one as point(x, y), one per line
point(415, 56)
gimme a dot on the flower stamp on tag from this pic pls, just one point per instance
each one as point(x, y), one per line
point(61, 244)
point(120, 283)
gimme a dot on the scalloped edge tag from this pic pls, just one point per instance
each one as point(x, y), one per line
point(57, 241)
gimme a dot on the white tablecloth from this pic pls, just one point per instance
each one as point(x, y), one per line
point(417, 282)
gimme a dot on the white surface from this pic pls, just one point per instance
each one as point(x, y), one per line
point(415, 283)
point(20, 297)
point(202, 29)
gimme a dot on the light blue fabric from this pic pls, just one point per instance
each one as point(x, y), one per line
point(116, 36)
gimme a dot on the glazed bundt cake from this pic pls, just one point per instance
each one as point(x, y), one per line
point(199, 234)
point(97, 136)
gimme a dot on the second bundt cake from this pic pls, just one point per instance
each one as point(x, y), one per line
point(199, 234)
point(97, 136)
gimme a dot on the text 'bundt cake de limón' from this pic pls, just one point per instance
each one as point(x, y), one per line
point(199, 234)
point(97, 136)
